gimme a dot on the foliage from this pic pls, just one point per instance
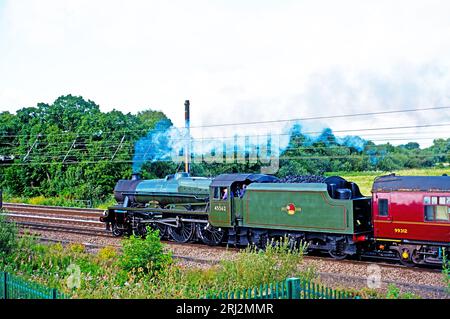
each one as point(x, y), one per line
point(107, 254)
point(394, 292)
point(277, 263)
point(103, 275)
point(70, 151)
point(144, 255)
point(8, 237)
point(446, 269)
point(70, 144)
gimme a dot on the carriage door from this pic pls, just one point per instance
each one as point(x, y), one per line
point(382, 215)
point(220, 206)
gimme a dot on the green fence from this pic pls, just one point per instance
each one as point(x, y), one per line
point(12, 287)
point(291, 288)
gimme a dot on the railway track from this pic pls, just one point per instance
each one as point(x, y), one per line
point(53, 210)
point(82, 221)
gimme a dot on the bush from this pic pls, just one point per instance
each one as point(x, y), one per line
point(249, 268)
point(144, 255)
point(254, 267)
point(8, 237)
point(107, 254)
point(394, 293)
point(446, 269)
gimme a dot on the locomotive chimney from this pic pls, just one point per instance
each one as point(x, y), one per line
point(188, 137)
point(135, 176)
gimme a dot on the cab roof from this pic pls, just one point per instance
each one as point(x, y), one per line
point(225, 180)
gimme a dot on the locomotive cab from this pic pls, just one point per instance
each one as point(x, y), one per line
point(227, 196)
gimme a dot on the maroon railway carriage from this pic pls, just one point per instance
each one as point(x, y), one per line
point(411, 217)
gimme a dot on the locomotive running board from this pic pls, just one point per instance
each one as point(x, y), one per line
point(166, 221)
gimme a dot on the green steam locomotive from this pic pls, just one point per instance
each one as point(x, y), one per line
point(241, 209)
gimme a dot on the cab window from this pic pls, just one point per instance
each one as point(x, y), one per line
point(383, 207)
point(216, 192)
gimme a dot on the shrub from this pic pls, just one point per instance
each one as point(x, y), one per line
point(446, 269)
point(144, 255)
point(77, 248)
point(394, 293)
point(254, 267)
point(107, 254)
point(249, 268)
point(8, 237)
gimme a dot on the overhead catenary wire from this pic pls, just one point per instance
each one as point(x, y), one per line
point(85, 152)
point(321, 117)
point(301, 132)
point(254, 159)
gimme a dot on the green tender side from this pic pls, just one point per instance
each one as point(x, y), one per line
point(267, 206)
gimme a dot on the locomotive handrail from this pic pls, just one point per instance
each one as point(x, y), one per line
point(165, 194)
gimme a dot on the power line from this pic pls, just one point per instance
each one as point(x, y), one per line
point(282, 134)
point(254, 159)
point(326, 117)
point(245, 123)
point(105, 153)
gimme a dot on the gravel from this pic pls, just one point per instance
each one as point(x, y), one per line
point(339, 274)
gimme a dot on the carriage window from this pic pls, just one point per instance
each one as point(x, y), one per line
point(437, 213)
point(436, 208)
point(383, 207)
point(429, 213)
point(442, 213)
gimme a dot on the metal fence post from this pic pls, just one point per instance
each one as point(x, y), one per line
point(54, 293)
point(5, 285)
point(293, 288)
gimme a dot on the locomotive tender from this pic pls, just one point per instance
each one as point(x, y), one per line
point(407, 217)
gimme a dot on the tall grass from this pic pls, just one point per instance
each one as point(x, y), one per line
point(143, 272)
point(446, 269)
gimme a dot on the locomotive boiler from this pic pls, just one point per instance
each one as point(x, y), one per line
point(176, 189)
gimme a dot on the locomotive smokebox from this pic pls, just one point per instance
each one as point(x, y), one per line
point(135, 176)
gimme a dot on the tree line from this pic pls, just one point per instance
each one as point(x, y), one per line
point(72, 149)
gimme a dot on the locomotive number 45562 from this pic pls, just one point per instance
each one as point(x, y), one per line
point(220, 208)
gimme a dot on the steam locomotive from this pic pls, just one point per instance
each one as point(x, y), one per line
point(407, 218)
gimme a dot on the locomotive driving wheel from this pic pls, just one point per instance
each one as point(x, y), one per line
point(210, 235)
point(339, 255)
point(116, 231)
point(337, 252)
point(182, 233)
point(163, 229)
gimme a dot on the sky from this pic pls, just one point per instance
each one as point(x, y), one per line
point(236, 61)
